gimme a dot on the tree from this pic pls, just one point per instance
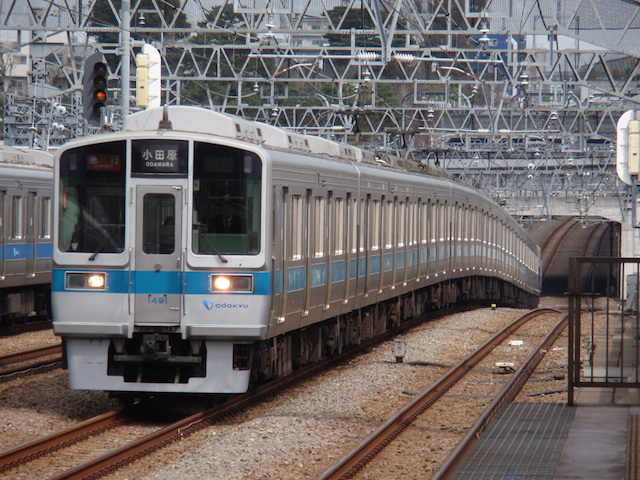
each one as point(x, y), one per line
point(106, 13)
point(355, 18)
point(224, 22)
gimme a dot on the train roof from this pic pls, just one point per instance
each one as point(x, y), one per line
point(203, 121)
point(25, 157)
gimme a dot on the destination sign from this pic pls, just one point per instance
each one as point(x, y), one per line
point(104, 162)
point(159, 157)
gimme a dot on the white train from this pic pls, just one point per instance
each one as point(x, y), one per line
point(199, 252)
point(26, 227)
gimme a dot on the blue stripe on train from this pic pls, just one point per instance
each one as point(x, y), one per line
point(24, 251)
point(197, 283)
point(152, 282)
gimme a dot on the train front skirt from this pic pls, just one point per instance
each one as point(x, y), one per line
point(89, 361)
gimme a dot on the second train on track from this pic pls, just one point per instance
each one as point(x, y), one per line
point(199, 252)
point(26, 209)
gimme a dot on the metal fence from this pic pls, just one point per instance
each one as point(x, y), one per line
point(603, 323)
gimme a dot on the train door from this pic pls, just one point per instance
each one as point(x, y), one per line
point(16, 248)
point(158, 256)
point(358, 248)
point(30, 236)
point(282, 208)
point(3, 243)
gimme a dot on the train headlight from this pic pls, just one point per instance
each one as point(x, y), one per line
point(96, 281)
point(86, 281)
point(221, 283)
point(232, 283)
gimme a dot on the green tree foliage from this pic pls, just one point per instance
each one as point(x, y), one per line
point(106, 13)
point(224, 23)
point(356, 18)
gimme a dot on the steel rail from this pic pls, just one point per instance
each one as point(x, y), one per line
point(22, 355)
point(506, 395)
point(12, 364)
point(25, 327)
point(118, 458)
point(552, 244)
point(30, 451)
point(357, 458)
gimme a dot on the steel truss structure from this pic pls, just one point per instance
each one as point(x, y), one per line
point(518, 97)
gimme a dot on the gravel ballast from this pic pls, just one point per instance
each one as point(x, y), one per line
point(297, 435)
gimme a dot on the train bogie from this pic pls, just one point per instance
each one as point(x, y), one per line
point(225, 258)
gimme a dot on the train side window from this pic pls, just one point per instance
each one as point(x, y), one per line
point(442, 221)
point(475, 230)
point(363, 224)
point(352, 211)
point(320, 226)
point(473, 225)
point(45, 217)
point(2, 216)
point(412, 224)
point(402, 224)
point(431, 222)
point(375, 223)
point(422, 222)
point(17, 222)
point(439, 221)
point(339, 221)
point(388, 224)
point(449, 225)
point(455, 222)
point(464, 222)
point(297, 224)
point(448, 218)
point(461, 223)
point(507, 241)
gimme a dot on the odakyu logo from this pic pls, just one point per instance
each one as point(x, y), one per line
point(215, 306)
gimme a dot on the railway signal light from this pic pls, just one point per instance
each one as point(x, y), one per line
point(148, 77)
point(94, 87)
point(142, 80)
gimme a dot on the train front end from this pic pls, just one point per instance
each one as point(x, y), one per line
point(153, 290)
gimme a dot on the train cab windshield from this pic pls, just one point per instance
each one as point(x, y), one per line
point(225, 196)
point(92, 203)
point(226, 201)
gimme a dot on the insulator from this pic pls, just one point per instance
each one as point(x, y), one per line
point(367, 56)
point(404, 57)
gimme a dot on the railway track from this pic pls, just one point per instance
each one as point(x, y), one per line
point(29, 452)
point(18, 328)
point(356, 460)
point(32, 359)
point(554, 241)
point(573, 237)
point(94, 429)
point(53, 449)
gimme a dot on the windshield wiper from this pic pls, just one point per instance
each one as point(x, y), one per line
point(217, 252)
point(104, 243)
